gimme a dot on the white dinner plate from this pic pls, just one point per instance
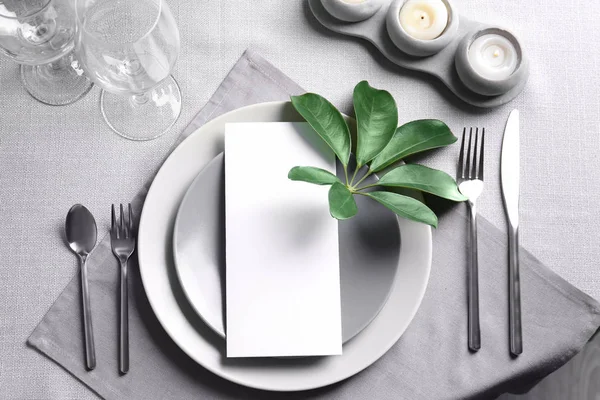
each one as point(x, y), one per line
point(369, 253)
point(195, 338)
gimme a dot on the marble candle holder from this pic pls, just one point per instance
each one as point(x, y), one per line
point(443, 57)
point(352, 10)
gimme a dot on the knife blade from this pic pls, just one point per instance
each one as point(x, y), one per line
point(509, 168)
point(509, 175)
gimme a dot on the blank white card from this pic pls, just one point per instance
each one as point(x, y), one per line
point(282, 253)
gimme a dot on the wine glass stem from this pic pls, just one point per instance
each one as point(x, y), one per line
point(61, 63)
point(140, 99)
point(56, 68)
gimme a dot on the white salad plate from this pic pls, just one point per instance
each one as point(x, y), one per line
point(190, 332)
point(369, 253)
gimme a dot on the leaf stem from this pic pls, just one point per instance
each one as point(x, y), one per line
point(346, 173)
point(354, 175)
point(366, 187)
point(369, 172)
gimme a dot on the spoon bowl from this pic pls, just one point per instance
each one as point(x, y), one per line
point(81, 230)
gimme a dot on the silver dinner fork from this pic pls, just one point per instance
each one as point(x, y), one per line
point(123, 243)
point(470, 184)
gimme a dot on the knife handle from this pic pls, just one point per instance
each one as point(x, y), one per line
point(514, 292)
point(473, 283)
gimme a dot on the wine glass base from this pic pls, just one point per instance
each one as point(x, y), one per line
point(54, 85)
point(143, 117)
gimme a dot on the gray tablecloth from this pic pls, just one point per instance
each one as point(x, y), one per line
point(54, 157)
point(558, 318)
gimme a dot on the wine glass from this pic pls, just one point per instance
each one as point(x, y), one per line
point(129, 47)
point(39, 34)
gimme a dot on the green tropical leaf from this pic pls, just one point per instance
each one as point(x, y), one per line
point(313, 175)
point(406, 207)
point(341, 202)
point(327, 121)
point(376, 120)
point(411, 138)
point(423, 178)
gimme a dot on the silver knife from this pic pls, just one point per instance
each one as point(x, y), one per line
point(509, 171)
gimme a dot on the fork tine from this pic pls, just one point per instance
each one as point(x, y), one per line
point(122, 226)
point(481, 155)
point(468, 164)
point(474, 163)
point(460, 173)
point(113, 225)
point(130, 226)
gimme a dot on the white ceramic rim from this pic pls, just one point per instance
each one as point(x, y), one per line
point(154, 240)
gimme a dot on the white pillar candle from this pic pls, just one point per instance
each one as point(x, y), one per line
point(493, 56)
point(424, 19)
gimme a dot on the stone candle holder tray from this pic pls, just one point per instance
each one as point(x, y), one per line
point(443, 64)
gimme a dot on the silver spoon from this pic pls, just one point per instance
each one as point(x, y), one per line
point(81, 233)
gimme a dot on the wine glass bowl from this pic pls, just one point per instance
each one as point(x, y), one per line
point(39, 35)
point(128, 48)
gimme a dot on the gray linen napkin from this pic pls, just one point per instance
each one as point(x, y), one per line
point(431, 360)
